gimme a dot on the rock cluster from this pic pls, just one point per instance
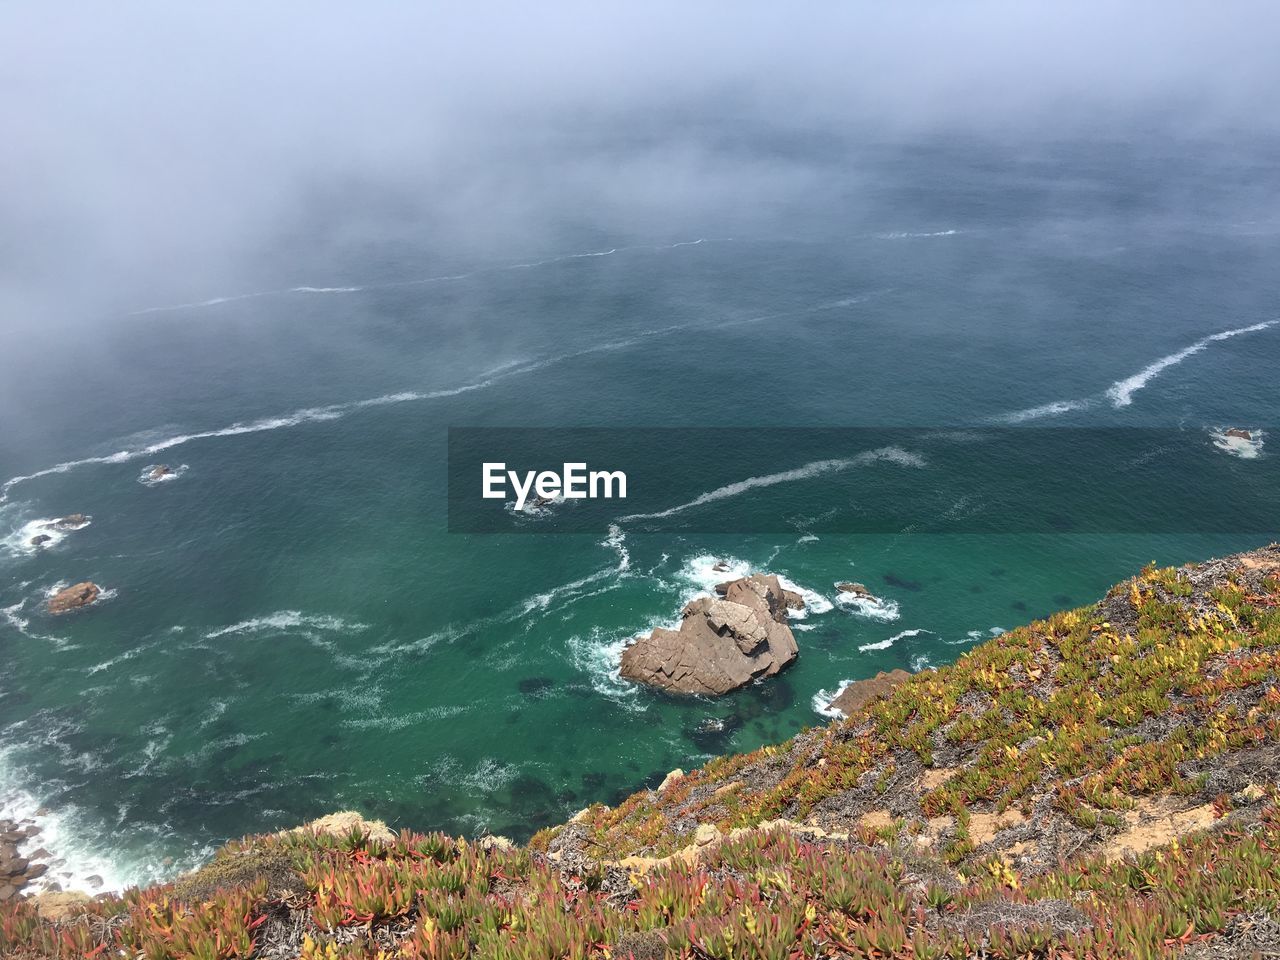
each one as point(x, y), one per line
point(74, 597)
point(16, 871)
point(722, 643)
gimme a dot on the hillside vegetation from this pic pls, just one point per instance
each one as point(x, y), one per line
point(1102, 783)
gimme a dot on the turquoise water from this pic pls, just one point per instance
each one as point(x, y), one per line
point(290, 628)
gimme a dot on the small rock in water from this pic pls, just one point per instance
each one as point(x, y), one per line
point(720, 567)
point(74, 597)
point(40, 539)
point(72, 521)
point(1239, 434)
point(856, 589)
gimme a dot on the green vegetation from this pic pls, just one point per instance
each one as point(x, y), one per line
point(1100, 784)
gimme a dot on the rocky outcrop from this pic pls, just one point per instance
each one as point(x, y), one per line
point(74, 597)
point(862, 692)
point(722, 643)
point(160, 471)
point(57, 905)
point(1239, 434)
point(343, 823)
point(40, 539)
point(791, 599)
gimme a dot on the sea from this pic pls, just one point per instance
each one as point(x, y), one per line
point(289, 625)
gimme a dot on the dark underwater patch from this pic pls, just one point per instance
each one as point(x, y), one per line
point(893, 580)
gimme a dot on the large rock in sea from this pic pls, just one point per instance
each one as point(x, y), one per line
point(74, 597)
point(722, 643)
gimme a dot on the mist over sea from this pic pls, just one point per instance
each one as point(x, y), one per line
point(289, 629)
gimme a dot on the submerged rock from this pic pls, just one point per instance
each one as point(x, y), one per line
point(74, 597)
point(721, 644)
point(160, 471)
point(861, 692)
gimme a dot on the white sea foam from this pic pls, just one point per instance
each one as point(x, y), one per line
point(1057, 408)
point(405, 720)
point(617, 542)
point(808, 538)
point(886, 644)
point(1249, 449)
point(543, 601)
point(13, 616)
point(325, 289)
point(913, 235)
point(18, 542)
point(599, 656)
point(823, 701)
point(490, 775)
point(287, 620)
point(121, 658)
point(1121, 392)
point(873, 608)
point(921, 661)
point(976, 636)
point(333, 411)
point(698, 574)
point(808, 471)
point(69, 836)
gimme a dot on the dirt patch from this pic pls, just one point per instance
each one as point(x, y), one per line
point(876, 820)
point(1259, 561)
point(983, 827)
point(933, 779)
point(1155, 823)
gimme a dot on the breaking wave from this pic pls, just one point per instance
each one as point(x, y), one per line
point(1121, 392)
point(886, 644)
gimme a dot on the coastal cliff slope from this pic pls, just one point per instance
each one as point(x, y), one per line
point(1101, 783)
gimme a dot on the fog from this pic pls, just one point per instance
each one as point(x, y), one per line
point(158, 153)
